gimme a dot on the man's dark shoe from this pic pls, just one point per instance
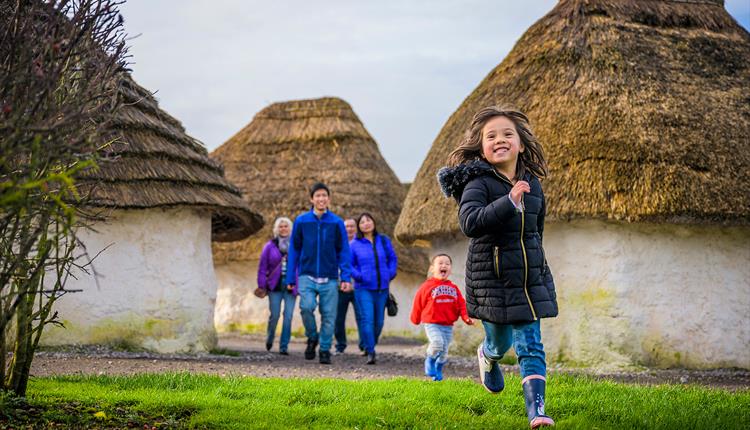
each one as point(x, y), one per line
point(371, 358)
point(283, 352)
point(269, 345)
point(310, 350)
point(325, 357)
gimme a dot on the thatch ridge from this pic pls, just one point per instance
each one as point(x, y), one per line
point(287, 147)
point(153, 163)
point(642, 107)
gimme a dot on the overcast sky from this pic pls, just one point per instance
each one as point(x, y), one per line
point(404, 66)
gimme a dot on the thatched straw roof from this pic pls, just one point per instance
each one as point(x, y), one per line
point(289, 146)
point(155, 164)
point(643, 108)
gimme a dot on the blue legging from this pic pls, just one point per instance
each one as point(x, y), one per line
point(371, 305)
point(526, 339)
point(275, 299)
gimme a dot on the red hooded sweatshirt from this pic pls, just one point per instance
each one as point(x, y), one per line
point(438, 302)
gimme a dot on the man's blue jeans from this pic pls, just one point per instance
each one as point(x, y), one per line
point(371, 305)
point(526, 339)
point(327, 293)
point(340, 331)
point(275, 298)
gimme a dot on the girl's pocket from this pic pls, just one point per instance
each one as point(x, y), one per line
point(496, 260)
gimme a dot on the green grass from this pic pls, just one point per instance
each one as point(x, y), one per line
point(199, 401)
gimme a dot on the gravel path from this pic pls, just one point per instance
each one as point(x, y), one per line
point(397, 357)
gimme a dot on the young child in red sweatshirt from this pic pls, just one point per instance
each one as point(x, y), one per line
point(438, 304)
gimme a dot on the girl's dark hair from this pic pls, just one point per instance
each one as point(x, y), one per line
point(434, 257)
point(360, 235)
point(470, 148)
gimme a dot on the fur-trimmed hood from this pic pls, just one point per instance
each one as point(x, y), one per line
point(452, 180)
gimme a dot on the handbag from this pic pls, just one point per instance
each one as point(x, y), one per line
point(391, 305)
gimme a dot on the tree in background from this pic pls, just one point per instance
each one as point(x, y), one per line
point(60, 67)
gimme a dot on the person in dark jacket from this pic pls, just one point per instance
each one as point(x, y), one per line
point(494, 176)
point(345, 298)
point(374, 265)
point(272, 278)
point(319, 257)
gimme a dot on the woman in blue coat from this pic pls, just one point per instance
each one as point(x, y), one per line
point(374, 265)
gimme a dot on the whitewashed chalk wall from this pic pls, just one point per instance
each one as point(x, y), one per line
point(156, 287)
point(656, 295)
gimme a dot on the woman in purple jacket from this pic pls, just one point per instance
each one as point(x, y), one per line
point(374, 265)
point(271, 276)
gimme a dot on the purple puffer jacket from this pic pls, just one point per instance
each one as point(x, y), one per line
point(269, 269)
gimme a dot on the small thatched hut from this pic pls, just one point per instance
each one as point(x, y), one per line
point(274, 160)
point(644, 110)
point(164, 201)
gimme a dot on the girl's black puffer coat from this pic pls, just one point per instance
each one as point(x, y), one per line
point(507, 277)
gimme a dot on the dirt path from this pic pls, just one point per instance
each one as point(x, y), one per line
point(396, 357)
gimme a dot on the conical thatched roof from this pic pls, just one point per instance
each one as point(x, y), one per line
point(155, 164)
point(643, 108)
point(288, 147)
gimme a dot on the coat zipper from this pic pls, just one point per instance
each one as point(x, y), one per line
point(317, 259)
point(525, 262)
point(501, 177)
point(497, 261)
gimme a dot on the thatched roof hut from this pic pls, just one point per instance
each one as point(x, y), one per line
point(289, 146)
point(163, 201)
point(155, 164)
point(642, 107)
point(274, 160)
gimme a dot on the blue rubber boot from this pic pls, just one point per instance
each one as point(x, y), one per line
point(490, 373)
point(533, 393)
point(429, 366)
point(438, 372)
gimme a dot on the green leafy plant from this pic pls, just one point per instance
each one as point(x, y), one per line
point(59, 68)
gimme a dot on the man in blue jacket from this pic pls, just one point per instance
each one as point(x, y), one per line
point(318, 257)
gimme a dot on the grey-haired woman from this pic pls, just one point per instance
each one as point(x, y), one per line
point(271, 276)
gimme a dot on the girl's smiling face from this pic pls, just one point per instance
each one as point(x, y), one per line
point(441, 267)
point(501, 143)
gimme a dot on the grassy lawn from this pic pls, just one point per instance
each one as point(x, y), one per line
point(197, 401)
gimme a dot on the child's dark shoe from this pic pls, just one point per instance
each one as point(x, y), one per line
point(490, 373)
point(438, 372)
point(533, 393)
point(429, 366)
